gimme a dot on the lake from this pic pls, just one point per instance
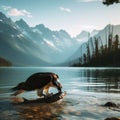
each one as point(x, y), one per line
point(87, 90)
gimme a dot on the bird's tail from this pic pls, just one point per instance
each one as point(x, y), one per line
point(14, 88)
point(18, 87)
point(17, 91)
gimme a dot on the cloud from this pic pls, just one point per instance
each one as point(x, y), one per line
point(65, 9)
point(15, 12)
point(6, 7)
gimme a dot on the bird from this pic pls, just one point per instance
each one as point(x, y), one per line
point(41, 82)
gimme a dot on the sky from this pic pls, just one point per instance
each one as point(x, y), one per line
point(73, 16)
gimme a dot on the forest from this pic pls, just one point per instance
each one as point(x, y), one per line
point(101, 55)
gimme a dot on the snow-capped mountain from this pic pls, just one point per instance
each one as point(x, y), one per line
point(16, 47)
point(58, 45)
point(25, 45)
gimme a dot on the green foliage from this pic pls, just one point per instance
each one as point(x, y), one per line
point(109, 2)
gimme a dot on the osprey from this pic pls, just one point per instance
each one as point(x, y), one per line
point(40, 82)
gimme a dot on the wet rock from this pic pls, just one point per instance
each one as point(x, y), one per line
point(112, 118)
point(110, 104)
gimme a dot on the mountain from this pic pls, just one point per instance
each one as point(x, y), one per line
point(94, 32)
point(16, 47)
point(58, 43)
point(101, 36)
point(82, 37)
point(23, 45)
point(31, 46)
point(4, 62)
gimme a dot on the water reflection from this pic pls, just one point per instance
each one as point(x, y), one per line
point(107, 80)
point(40, 111)
point(86, 88)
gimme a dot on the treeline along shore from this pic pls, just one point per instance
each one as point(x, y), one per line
point(102, 55)
point(4, 62)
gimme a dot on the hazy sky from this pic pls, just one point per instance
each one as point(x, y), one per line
point(70, 15)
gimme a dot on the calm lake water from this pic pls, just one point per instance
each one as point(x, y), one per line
point(87, 90)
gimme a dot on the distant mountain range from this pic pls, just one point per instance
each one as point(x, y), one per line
point(23, 45)
point(101, 36)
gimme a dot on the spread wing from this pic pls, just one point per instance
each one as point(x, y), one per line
point(38, 81)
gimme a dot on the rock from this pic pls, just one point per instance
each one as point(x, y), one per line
point(112, 118)
point(110, 104)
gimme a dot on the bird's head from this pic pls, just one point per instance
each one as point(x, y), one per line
point(56, 82)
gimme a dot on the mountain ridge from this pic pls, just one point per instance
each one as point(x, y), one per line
point(35, 47)
point(40, 46)
point(102, 37)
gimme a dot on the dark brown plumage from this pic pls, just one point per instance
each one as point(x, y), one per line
point(40, 82)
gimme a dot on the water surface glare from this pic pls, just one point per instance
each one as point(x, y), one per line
point(87, 89)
